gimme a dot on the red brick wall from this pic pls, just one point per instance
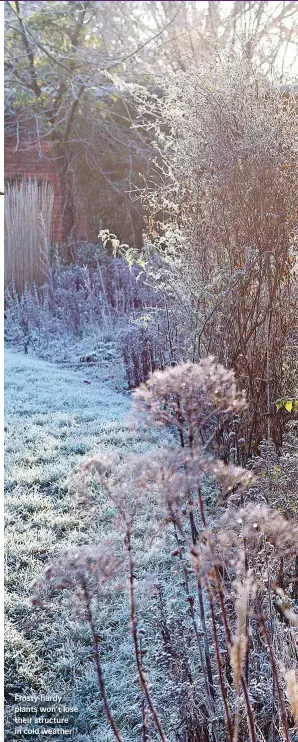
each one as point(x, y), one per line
point(81, 207)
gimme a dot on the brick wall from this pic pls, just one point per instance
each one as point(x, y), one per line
point(82, 231)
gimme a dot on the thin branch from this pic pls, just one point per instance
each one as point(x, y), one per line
point(135, 638)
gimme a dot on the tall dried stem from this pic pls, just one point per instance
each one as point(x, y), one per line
point(28, 213)
point(134, 632)
point(97, 662)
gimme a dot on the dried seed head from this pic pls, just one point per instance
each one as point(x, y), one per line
point(259, 524)
point(292, 689)
point(96, 565)
point(187, 395)
point(237, 656)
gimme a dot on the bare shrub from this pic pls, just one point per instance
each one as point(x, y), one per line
point(224, 216)
point(147, 348)
point(141, 355)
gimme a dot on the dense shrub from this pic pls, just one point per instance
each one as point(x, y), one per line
point(226, 216)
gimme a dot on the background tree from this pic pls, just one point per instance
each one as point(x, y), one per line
point(57, 59)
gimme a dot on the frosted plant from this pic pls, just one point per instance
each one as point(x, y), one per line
point(276, 474)
point(292, 688)
point(219, 573)
point(188, 396)
point(88, 573)
point(224, 219)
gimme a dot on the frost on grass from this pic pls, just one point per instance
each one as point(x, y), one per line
point(53, 420)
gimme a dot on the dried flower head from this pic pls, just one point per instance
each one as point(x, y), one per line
point(96, 565)
point(292, 689)
point(188, 397)
point(244, 589)
point(167, 476)
point(258, 523)
point(237, 655)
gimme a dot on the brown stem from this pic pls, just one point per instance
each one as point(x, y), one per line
point(133, 620)
point(275, 674)
point(219, 665)
point(218, 584)
point(145, 737)
point(296, 579)
point(207, 672)
point(193, 528)
point(272, 639)
point(247, 634)
point(194, 533)
point(98, 663)
point(206, 643)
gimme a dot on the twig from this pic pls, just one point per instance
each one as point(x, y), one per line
point(135, 637)
point(98, 663)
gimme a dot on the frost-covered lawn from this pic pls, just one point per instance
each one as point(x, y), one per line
point(55, 417)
